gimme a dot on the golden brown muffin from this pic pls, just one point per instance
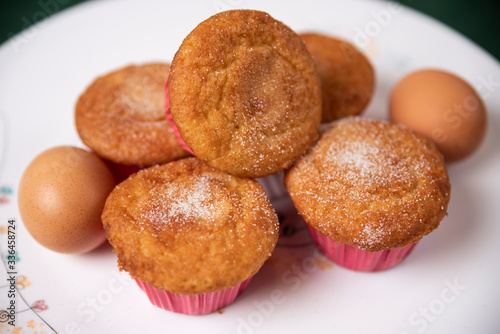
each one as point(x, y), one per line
point(371, 185)
point(188, 228)
point(245, 94)
point(347, 77)
point(121, 116)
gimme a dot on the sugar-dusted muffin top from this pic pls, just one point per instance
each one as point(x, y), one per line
point(188, 228)
point(347, 77)
point(121, 116)
point(245, 94)
point(371, 184)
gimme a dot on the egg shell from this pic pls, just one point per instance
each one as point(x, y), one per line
point(442, 107)
point(61, 196)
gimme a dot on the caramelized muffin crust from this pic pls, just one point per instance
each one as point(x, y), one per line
point(121, 117)
point(347, 77)
point(188, 228)
point(371, 184)
point(245, 94)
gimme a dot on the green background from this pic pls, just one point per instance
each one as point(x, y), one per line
point(476, 19)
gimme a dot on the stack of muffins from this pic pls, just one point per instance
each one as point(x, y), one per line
point(246, 96)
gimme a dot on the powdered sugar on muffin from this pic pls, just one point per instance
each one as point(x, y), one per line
point(188, 228)
point(371, 184)
point(244, 93)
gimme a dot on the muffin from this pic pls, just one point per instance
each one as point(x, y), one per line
point(244, 93)
point(190, 235)
point(121, 117)
point(369, 191)
point(347, 77)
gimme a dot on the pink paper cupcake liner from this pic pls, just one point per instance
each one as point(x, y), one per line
point(356, 259)
point(171, 121)
point(192, 304)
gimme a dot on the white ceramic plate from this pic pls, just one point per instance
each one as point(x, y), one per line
point(448, 285)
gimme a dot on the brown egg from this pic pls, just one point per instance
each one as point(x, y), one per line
point(443, 107)
point(61, 196)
